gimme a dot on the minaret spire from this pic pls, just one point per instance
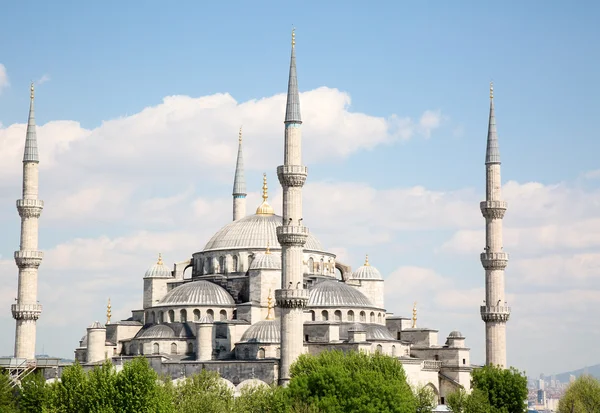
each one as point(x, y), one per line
point(27, 309)
point(239, 184)
point(292, 235)
point(495, 312)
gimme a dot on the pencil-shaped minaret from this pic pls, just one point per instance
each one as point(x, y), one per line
point(27, 310)
point(292, 297)
point(239, 184)
point(495, 312)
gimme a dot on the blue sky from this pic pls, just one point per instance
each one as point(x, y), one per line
point(109, 61)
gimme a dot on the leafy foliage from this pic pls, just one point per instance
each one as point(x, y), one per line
point(204, 392)
point(34, 394)
point(582, 396)
point(352, 382)
point(7, 399)
point(425, 399)
point(506, 389)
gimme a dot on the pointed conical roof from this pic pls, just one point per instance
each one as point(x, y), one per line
point(292, 110)
point(492, 153)
point(31, 149)
point(239, 181)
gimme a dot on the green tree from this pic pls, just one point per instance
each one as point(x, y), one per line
point(506, 389)
point(582, 396)
point(101, 391)
point(203, 392)
point(461, 402)
point(69, 395)
point(262, 399)
point(7, 394)
point(425, 399)
point(138, 389)
point(34, 394)
point(352, 382)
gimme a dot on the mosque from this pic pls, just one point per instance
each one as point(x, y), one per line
point(262, 291)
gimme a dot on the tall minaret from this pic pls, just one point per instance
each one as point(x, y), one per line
point(292, 298)
point(495, 312)
point(27, 309)
point(239, 184)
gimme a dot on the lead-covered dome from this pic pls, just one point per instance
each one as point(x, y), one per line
point(336, 294)
point(197, 293)
point(253, 232)
point(367, 272)
point(157, 331)
point(266, 331)
point(266, 261)
point(158, 270)
point(374, 331)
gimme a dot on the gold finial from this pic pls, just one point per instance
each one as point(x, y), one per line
point(293, 36)
point(108, 312)
point(414, 318)
point(265, 194)
point(492, 90)
point(240, 135)
point(367, 260)
point(270, 315)
point(32, 91)
point(160, 261)
point(265, 208)
point(268, 251)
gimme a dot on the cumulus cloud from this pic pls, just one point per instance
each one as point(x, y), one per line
point(45, 78)
point(3, 78)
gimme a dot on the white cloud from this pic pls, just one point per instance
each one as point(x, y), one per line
point(45, 78)
point(3, 77)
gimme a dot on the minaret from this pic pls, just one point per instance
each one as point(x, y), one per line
point(292, 298)
point(239, 184)
point(495, 312)
point(27, 310)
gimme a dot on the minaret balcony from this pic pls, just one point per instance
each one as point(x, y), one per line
point(494, 313)
point(494, 260)
point(292, 235)
point(28, 259)
point(292, 298)
point(30, 208)
point(493, 209)
point(292, 175)
point(26, 311)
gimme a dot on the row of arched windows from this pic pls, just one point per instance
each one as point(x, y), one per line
point(219, 265)
point(350, 316)
point(260, 354)
point(160, 317)
point(321, 267)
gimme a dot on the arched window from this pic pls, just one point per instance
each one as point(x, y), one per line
point(235, 264)
point(196, 314)
point(155, 348)
point(379, 348)
point(311, 265)
point(210, 314)
point(183, 316)
point(379, 318)
point(141, 349)
point(190, 348)
point(246, 353)
point(312, 315)
point(249, 261)
point(363, 316)
point(222, 265)
point(324, 315)
point(261, 353)
point(278, 352)
point(350, 315)
point(393, 351)
point(207, 266)
point(173, 348)
point(322, 268)
point(152, 317)
point(161, 317)
point(337, 316)
point(372, 317)
point(171, 316)
point(223, 315)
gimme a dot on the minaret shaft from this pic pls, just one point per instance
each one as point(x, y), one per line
point(495, 313)
point(239, 185)
point(26, 310)
point(292, 297)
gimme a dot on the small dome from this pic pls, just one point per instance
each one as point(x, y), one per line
point(455, 334)
point(83, 341)
point(158, 270)
point(157, 331)
point(197, 293)
point(336, 294)
point(96, 324)
point(205, 319)
point(266, 331)
point(367, 272)
point(266, 261)
point(374, 331)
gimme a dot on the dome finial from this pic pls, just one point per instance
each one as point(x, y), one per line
point(108, 311)
point(293, 36)
point(160, 261)
point(265, 208)
point(492, 90)
point(414, 317)
point(32, 91)
point(268, 251)
point(367, 260)
point(265, 188)
point(240, 135)
point(270, 315)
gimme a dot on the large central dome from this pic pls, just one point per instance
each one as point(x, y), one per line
point(253, 232)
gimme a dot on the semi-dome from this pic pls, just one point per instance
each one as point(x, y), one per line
point(266, 331)
point(197, 293)
point(336, 294)
point(266, 261)
point(157, 331)
point(253, 232)
point(367, 272)
point(158, 270)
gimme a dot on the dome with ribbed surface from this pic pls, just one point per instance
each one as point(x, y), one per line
point(197, 293)
point(367, 272)
point(157, 331)
point(265, 261)
point(455, 334)
point(266, 331)
point(374, 331)
point(336, 294)
point(253, 232)
point(96, 324)
point(158, 270)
